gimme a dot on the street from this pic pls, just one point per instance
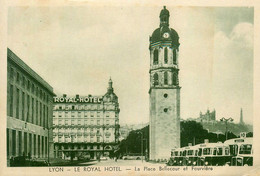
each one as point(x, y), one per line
point(111, 162)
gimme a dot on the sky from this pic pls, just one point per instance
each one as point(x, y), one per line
point(77, 49)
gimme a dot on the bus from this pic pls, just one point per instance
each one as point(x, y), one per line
point(241, 151)
point(176, 158)
point(213, 154)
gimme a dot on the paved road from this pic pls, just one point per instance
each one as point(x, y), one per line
point(111, 162)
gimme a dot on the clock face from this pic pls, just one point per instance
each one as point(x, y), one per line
point(166, 35)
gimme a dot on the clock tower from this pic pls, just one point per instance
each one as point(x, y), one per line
point(164, 90)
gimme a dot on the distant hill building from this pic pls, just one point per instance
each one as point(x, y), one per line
point(207, 117)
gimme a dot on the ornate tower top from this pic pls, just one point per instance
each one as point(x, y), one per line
point(164, 17)
point(164, 33)
point(110, 86)
point(110, 96)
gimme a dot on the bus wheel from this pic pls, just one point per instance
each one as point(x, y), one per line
point(245, 164)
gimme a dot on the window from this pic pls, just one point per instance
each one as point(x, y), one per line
point(28, 85)
point(174, 56)
point(98, 139)
point(165, 109)
point(32, 110)
point(155, 79)
point(219, 151)
point(12, 73)
point(72, 107)
point(91, 114)
point(155, 57)
point(98, 114)
point(107, 114)
point(18, 77)
point(23, 106)
point(37, 122)
point(98, 122)
point(85, 114)
point(11, 100)
point(165, 55)
point(32, 88)
point(17, 103)
point(79, 114)
point(165, 95)
point(23, 82)
point(245, 149)
point(206, 151)
point(165, 78)
point(174, 79)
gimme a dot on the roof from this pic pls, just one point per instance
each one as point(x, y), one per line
point(158, 35)
point(13, 57)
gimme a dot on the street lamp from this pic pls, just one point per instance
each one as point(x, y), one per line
point(226, 120)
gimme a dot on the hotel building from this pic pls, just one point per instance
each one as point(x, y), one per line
point(86, 125)
point(29, 111)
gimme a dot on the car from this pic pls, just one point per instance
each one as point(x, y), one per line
point(132, 156)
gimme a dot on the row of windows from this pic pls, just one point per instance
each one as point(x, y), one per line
point(24, 107)
point(73, 122)
point(83, 107)
point(78, 146)
point(22, 143)
point(165, 79)
point(68, 139)
point(20, 79)
point(68, 114)
point(156, 56)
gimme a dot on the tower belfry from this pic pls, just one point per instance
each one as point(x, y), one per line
point(164, 89)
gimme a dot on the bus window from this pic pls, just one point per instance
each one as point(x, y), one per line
point(220, 151)
point(206, 151)
point(196, 152)
point(233, 150)
point(226, 151)
point(245, 149)
point(184, 153)
point(200, 152)
point(215, 151)
point(180, 153)
point(175, 153)
point(190, 152)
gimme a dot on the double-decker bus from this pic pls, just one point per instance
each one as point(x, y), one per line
point(241, 151)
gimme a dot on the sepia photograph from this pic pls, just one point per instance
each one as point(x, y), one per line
point(130, 88)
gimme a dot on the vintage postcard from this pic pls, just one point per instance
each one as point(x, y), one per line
point(130, 88)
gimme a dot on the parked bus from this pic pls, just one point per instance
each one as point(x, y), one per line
point(241, 151)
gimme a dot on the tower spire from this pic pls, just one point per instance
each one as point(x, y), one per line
point(164, 17)
point(110, 86)
point(241, 116)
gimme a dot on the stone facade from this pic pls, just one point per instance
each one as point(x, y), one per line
point(164, 90)
point(29, 111)
point(84, 127)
